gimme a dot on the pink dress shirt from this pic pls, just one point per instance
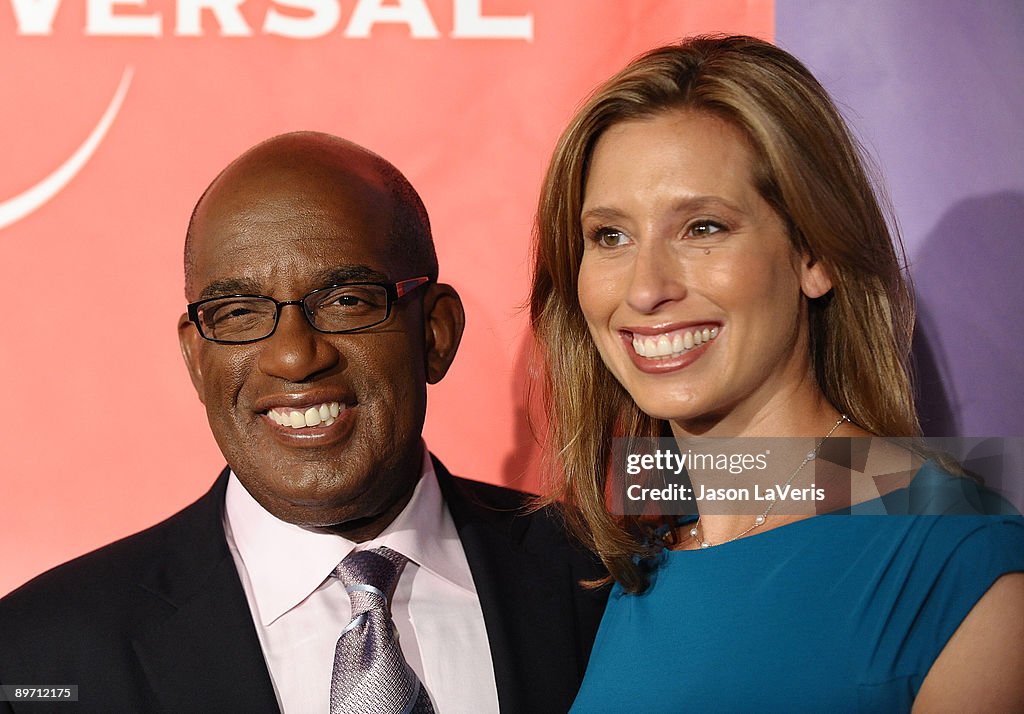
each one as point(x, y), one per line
point(300, 610)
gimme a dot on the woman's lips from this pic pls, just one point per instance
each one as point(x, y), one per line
point(671, 343)
point(656, 351)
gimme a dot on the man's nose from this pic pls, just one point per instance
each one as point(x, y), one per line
point(658, 277)
point(296, 352)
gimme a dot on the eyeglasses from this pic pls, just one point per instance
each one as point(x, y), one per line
point(238, 319)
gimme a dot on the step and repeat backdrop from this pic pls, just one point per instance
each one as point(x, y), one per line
point(118, 113)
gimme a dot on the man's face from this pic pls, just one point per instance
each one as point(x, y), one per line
point(282, 233)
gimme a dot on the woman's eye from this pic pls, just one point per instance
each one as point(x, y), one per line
point(702, 229)
point(609, 237)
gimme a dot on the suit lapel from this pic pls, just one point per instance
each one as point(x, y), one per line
point(539, 622)
point(198, 647)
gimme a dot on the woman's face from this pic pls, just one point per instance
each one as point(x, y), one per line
point(689, 284)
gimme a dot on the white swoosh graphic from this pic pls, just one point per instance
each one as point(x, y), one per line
point(14, 209)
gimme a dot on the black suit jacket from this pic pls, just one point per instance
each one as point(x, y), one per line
point(158, 621)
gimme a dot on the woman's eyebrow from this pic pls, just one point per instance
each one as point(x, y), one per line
point(683, 205)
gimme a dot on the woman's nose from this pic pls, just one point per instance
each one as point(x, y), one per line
point(657, 277)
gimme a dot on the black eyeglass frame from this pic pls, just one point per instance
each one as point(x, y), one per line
point(395, 292)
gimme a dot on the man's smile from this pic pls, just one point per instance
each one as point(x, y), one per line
point(315, 418)
point(324, 413)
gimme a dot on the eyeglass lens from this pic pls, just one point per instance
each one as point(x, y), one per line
point(337, 309)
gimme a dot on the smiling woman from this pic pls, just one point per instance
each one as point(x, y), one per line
point(712, 261)
point(678, 242)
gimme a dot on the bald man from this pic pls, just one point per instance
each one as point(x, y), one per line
point(315, 321)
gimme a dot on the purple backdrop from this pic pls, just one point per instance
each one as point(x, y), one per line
point(934, 90)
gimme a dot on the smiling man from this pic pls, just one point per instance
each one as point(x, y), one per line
point(335, 565)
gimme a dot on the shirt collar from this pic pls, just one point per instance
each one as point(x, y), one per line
point(286, 563)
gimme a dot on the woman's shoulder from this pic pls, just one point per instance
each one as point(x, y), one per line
point(936, 491)
point(940, 516)
point(931, 489)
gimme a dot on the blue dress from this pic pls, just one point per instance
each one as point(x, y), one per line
point(827, 614)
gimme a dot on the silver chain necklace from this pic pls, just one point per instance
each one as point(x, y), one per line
point(760, 520)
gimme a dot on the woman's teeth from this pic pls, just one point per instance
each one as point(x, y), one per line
point(319, 415)
point(663, 346)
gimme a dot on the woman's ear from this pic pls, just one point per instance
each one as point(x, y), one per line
point(444, 321)
point(814, 278)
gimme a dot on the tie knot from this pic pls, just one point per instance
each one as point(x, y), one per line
point(371, 571)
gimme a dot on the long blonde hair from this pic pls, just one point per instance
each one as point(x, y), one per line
point(810, 169)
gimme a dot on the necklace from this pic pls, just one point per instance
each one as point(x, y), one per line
point(760, 520)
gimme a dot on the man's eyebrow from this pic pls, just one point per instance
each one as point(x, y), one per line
point(349, 274)
point(230, 286)
point(323, 278)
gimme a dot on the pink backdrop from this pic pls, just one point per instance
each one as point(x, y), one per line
point(115, 117)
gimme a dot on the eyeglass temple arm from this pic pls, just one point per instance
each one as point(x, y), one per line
point(404, 287)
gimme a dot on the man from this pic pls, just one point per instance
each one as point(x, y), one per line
point(315, 323)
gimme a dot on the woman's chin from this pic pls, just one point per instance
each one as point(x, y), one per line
point(671, 411)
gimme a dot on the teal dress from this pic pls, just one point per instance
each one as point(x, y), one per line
point(828, 614)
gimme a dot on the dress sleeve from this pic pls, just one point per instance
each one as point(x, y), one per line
point(958, 559)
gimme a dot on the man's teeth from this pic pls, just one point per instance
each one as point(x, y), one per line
point(664, 346)
point(319, 415)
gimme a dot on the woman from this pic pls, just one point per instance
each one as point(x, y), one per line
point(711, 257)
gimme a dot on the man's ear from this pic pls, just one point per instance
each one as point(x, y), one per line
point(190, 339)
point(444, 320)
point(815, 280)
